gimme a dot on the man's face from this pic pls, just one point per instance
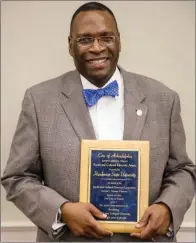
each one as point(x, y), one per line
point(96, 62)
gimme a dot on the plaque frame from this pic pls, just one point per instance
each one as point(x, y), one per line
point(143, 177)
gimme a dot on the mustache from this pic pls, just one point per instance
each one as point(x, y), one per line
point(89, 57)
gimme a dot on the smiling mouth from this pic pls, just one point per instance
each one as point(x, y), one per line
point(97, 61)
point(98, 64)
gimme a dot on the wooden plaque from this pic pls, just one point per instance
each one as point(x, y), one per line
point(114, 177)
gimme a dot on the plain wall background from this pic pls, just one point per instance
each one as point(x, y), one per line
point(158, 40)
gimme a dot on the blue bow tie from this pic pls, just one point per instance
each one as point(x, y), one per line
point(91, 96)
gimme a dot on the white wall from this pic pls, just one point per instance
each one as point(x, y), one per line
point(158, 40)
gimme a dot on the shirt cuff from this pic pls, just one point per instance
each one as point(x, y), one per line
point(58, 227)
point(170, 231)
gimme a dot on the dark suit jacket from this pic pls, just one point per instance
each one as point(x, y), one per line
point(43, 167)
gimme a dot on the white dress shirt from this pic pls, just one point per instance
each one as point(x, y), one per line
point(108, 114)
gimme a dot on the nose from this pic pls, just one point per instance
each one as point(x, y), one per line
point(96, 47)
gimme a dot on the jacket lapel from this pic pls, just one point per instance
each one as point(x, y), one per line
point(75, 108)
point(135, 111)
point(78, 114)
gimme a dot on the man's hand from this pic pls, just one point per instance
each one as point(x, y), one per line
point(79, 218)
point(155, 221)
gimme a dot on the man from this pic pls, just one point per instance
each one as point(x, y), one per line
point(42, 173)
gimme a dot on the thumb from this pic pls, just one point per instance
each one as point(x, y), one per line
point(144, 220)
point(96, 212)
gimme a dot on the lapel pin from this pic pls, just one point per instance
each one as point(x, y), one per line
point(139, 112)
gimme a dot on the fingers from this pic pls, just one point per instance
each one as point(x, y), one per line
point(96, 212)
point(89, 233)
point(92, 236)
point(99, 229)
point(148, 233)
point(102, 231)
point(96, 230)
point(144, 220)
point(79, 218)
point(152, 224)
point(96, 226)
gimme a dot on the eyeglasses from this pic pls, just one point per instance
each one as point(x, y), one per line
point(88, 41)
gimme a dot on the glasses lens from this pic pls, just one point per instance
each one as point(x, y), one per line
point(106, 40)
point(85, 41)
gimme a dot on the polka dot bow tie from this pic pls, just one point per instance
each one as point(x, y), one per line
point(91, 96)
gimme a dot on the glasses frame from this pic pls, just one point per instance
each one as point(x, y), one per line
point(93, 38)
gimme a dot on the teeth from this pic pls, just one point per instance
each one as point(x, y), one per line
point(97, 61)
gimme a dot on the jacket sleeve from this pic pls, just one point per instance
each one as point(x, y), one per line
point(23, 176)
point(178, 185)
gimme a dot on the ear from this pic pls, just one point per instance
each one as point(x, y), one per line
point(70, 46)
point(119, 41)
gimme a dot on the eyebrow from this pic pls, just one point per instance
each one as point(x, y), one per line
point(105, 33)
